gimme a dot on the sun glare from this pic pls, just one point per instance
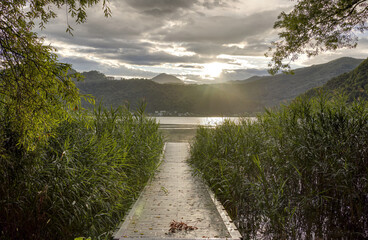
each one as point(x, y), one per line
point(212, 70)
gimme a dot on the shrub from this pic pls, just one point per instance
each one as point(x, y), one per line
point(299, 172)
point(82, 181)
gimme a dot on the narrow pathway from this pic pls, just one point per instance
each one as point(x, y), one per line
point(174, 194)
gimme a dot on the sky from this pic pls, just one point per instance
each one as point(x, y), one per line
point(199, 41)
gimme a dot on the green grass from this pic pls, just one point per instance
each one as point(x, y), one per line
point(82, 182)
point(297, 172)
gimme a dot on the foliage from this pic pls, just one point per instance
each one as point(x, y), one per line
point(64, 173)
point(83, 181)
point(35, 89)
point(296, 173)
point(314, 26)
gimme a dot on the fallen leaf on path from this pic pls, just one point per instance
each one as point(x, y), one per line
point(179, 226)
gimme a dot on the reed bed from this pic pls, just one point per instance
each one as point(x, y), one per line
point(82, 182)
point(299, 172)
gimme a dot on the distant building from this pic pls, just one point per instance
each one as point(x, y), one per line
point(162, 113)
point(110, 78)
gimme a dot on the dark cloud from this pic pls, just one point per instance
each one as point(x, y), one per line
point(223, 29)
point(211, 4)
point(120, 37)
point(160, 8)
point(84, 65)
point(190, 66)
point(214, 49)
point(81, 64)
point(145, 33)
point(142, 56)
point(156, 58)
point(124, 24)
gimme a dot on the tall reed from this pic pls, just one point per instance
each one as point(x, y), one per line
point(299, 172)
point(82, 181)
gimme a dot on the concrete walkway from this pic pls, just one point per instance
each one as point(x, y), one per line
point(174, 194)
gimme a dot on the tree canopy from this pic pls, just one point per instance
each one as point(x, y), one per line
point(36, 90)
point(314, 26)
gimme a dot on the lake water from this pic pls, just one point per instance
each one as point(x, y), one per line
point(183, 129)
point(194, 121)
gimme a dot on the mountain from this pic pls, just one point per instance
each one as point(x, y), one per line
point(166, 78)
point(94, 76)
point(354, 84)
point(252, 79)
point(285, 87)
point(214, 99)
point(208, 100)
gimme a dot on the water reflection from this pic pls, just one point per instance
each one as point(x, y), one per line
point(194, 121)
point(183, 129)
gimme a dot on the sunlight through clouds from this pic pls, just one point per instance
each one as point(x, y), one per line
point(76, 51)
point(199, 40)
point(172, 49)
point(212, 70)
point(246, 61)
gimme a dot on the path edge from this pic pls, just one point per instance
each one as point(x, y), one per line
point(119, 231)
point(231, 228)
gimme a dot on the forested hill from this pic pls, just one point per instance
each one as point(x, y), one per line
point(285, 87)
point(354, 84)
point(166, 78)
point(196, 99)
point(214, 99)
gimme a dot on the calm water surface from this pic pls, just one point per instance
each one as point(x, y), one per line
point(194, 121)
point(183, 129)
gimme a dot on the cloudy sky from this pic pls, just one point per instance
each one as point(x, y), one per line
point(196, 40)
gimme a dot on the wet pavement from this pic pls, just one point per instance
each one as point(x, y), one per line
point(174, 194)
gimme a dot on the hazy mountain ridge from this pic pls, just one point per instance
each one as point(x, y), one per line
point(354, 84)
point(285, 87)
point(215, 99)
point(166, 78)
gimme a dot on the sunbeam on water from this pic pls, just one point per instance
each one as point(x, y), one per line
point(183, 129)
point(194, 121)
